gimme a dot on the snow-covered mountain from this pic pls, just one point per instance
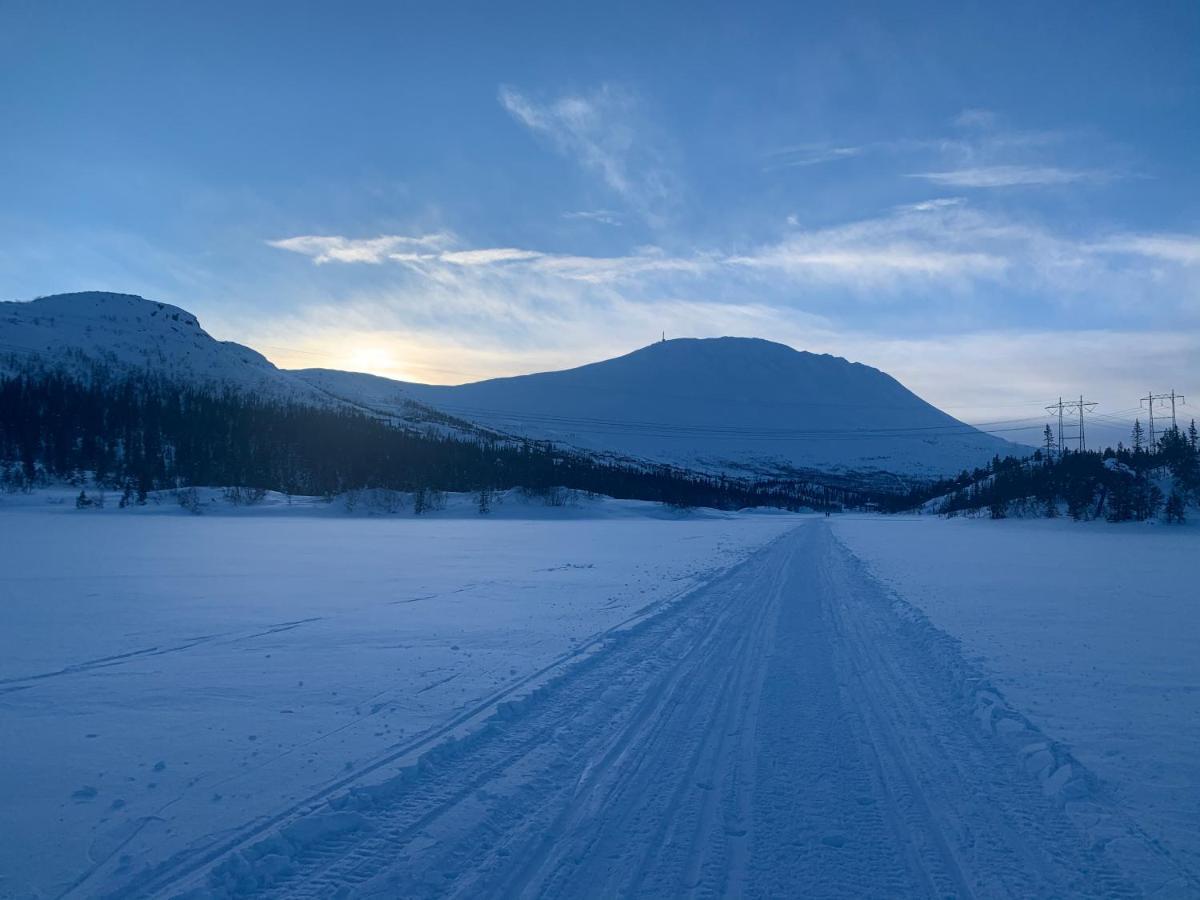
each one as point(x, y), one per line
point(738, 405)
point(719, 404)
point(123, 331)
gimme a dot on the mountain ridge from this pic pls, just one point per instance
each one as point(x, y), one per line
point(746, 405)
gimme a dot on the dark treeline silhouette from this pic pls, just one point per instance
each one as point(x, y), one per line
point(1125, 484)
point(138, 434)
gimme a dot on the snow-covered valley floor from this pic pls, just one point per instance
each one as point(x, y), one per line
point(314, 706)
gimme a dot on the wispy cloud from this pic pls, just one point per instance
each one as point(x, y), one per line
point(876, 255)
point(1174, 248)
point(809, 155)
point(1010, 176)
point(979, 151)
point(605, 133)
point(602, 216)
point(931, 205)
point(489, 256)
point(401, 249)
point(940, 243)
point(334, 248)
point(647, 261)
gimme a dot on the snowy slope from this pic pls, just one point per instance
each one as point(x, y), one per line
point(732, 404)
point(124, 331)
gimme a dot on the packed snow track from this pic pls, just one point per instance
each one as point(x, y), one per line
point(788, 729)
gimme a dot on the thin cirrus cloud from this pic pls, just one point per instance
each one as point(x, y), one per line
point(488, 256)
point(1011, 176)
point(1183, 249)
point(605, 133)
point(946, 243)
point(979, 151)
point(805, 155)
point(333, 248)
point(602, 216)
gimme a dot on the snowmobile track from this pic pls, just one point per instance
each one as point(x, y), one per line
point(787, 729)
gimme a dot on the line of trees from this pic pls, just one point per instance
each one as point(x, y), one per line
point(1126, 484)
point(136, 434)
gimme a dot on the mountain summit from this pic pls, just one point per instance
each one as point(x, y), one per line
point(717, 404)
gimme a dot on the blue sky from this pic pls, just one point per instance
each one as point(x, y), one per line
point(994, 202)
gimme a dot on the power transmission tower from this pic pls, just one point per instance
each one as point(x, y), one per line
point(1050, 409)
point(1149, 400)
point(1083, 406)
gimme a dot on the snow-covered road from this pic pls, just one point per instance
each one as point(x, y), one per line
point(789, 728)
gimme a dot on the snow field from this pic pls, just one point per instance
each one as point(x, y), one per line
point(164, 677)
point(1090, 630)
point(289, 701)
point(788, 728)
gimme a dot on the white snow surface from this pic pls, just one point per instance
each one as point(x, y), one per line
point(293, 701)
point(167, 677)
point(1092, 630)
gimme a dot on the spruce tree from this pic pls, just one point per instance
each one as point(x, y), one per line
point(1048, 439)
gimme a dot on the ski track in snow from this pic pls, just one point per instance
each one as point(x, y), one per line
point(119, 659)
point(789, 728)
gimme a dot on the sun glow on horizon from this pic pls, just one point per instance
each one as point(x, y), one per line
point(375, 359)
point(400, 357)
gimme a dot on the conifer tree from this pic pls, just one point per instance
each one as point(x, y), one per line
point(1048, 439)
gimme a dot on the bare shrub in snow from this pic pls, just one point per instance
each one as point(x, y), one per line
point(551, 496)
point(244, 496)
point(376, 500)
point(189, 499)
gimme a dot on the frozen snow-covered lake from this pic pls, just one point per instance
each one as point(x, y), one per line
point(750, 704)
point(163, 676)
point(1091, 629)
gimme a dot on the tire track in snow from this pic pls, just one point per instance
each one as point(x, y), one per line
point(784, 730)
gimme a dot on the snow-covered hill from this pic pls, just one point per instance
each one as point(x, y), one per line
point(739, 405)
point(721, 404)
point(124, 331)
